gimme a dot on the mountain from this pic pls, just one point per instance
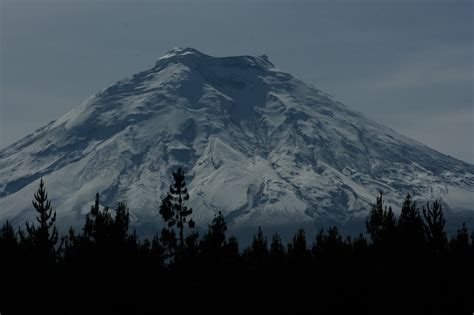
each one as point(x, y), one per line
point(256, 143)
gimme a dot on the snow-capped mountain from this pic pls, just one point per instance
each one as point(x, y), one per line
point(257, 144)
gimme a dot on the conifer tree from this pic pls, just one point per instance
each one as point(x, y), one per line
point(360, 246)
point(173, 209)
point(459, 244)
point(389, 229)
point(297, 249)
point(191, 248)
point(105, 235)
point(382, 225)
point(277, 249)
point(168, 235)
point(43, 238)
point(73, 246)
point(410, 226)
point(97, 227)
point(214, 241)
point(232, 253)
point(169, 242)
point(330, 244)
point(317, 250)
point(433, 224)
point(8, 244)
point(157, 251)
point(374, 223)
point(215, 236)
point(120, 225)
point(7, 236)
point(258, 251)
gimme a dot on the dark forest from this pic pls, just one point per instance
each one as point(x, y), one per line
point(401, 264)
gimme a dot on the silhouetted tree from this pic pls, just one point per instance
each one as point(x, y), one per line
point(382, 225)
point(105, 237)
point(410, 227)
point(258, 251)
point(168, 235)
point(433, 224)
point(191, 248)
point(173, 208)
point(9, 246)
point(157, 252)
point(389, 225)
point(169, 242)
point(459, 244)
point(43, 238)
point(214, 241)
point(277, 249)
point(297, 249)
point(8, 238)
point(374, 223)
point(120, 225)
point(329, 245)
point(360, 246)
point(231, 250)
point(98, 225)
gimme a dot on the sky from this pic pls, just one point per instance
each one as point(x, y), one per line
point(406, 64)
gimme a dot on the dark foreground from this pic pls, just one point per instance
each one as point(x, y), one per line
point(336, 286)
point(402, 265)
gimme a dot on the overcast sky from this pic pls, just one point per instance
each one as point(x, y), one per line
point(406, 64)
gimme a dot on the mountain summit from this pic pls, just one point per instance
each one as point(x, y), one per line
point(256, 143)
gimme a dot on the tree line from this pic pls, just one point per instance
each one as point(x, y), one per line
point(401, 264)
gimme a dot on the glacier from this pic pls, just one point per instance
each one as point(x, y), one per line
point(257, 144)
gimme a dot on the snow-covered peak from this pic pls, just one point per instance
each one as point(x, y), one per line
point(257, 144)
point(193, 57)
point(179, 51)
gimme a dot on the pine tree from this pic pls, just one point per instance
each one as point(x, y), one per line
point(433, 224)
point(231, 250)
point(459, 244)
point(7, 236)
point(215, 237)
point(98, 225)
point(120, 225)
point(374, 223)
point(105, 236)
point(410, 227)
point(173, 208)
point(277, 249)
point(329, 245)
point(382, 225)
point(214, 241)
point(8, 245)
point(72, 246)
point(297, 249)
point(191, 250)
point(360, 246)
point(169, 242)
point(389, 229)
point(157, 251)
point(317, 250)
point(43, 238)
point(168, 235)
point(258, 251)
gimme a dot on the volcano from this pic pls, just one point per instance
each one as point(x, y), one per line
point(257, 144)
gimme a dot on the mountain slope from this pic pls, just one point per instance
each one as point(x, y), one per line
point(259, 145)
